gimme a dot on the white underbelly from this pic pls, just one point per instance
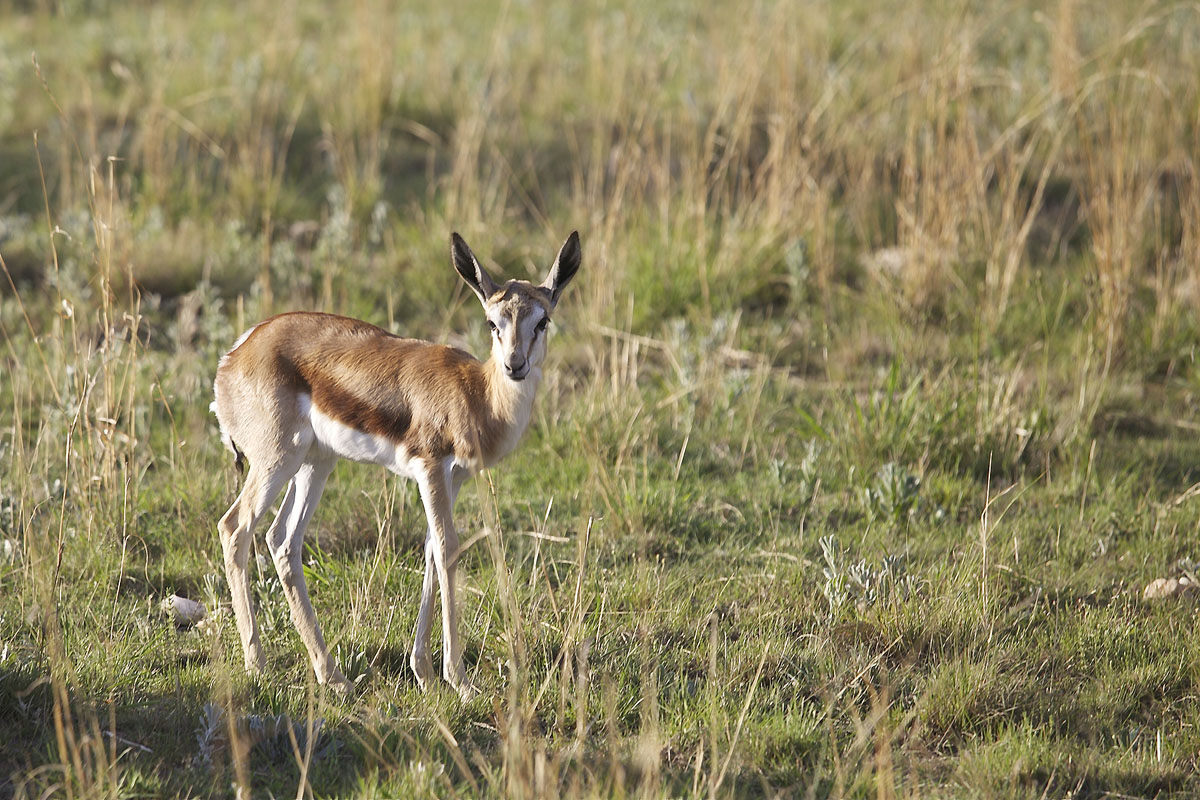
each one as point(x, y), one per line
point(356, 445)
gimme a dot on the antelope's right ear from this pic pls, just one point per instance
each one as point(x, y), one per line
point(469, 268)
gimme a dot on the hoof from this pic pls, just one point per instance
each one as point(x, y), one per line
point(422, 667)
point(466, 691)
point(256, 662)
point(457, 677)
point(338, 683)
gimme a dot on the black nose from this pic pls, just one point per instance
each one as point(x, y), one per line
point(515, 370)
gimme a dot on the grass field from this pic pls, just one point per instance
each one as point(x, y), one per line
point(871, 412)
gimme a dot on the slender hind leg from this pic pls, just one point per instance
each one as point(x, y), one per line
point(439, 489)
point(421, 663)
point(235, 529)
point(286, 541)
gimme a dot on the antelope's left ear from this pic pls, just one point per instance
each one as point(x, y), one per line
point(565, 267)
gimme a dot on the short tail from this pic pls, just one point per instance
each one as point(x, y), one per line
point(239, 458)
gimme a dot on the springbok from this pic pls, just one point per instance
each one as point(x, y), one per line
point(300, 390)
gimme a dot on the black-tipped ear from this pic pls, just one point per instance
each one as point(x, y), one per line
point(565, 267)
point(469, 268)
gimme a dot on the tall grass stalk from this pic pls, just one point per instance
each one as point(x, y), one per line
point(823, 247)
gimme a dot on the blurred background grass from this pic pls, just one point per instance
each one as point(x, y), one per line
point(869, 415)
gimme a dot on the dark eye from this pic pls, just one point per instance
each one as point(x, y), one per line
point(541, 326)
point(492, 327)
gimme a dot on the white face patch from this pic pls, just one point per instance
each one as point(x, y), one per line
point(517, 316)
point(533, 332)
point(500, 324)
point(518, 340)
point(529, 323)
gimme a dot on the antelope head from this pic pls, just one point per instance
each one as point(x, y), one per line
point(518, 312)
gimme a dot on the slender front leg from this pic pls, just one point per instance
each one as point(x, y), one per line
point(422, 664)
point(438, 492)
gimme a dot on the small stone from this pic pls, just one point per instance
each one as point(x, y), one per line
point(1162, 588)
point(186, 612)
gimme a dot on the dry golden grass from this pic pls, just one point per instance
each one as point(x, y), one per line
point(862, 271)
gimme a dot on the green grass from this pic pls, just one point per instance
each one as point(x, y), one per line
point(869, 417)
